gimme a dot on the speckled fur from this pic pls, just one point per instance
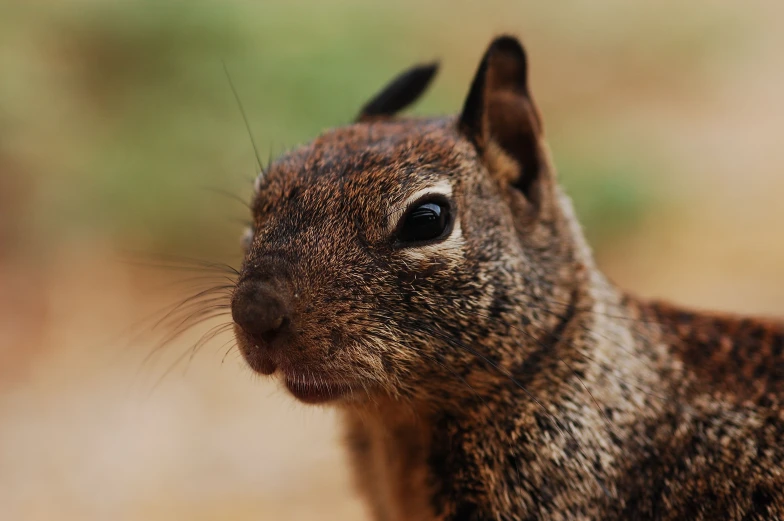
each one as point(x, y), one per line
point(503, 377)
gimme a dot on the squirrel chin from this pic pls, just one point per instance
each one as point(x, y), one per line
point(315, 390)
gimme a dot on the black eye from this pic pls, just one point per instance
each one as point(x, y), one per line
point(425, 221)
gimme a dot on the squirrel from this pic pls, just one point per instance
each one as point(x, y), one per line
point(427, 278)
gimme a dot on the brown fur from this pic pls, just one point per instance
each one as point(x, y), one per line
point(497, 375)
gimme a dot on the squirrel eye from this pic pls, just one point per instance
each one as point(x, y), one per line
point(425, 221)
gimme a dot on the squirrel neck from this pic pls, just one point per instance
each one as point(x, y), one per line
point(563, 422)
point(550, 417)
point(418, 463)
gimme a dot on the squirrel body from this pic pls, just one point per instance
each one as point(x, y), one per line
point(428, 277)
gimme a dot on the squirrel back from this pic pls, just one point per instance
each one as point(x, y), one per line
point(428, 278)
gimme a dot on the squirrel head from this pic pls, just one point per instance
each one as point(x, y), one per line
point(401, 256)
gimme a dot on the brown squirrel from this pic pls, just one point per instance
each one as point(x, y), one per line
point(428, 278)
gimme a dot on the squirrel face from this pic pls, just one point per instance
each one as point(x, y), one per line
point(394, 255)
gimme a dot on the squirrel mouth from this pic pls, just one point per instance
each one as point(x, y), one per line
point(307, 387)
point(310, 390)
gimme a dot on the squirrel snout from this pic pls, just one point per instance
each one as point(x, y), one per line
point(261, 310)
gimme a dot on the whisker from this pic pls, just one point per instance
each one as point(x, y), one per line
point(169, 259)
point(259, 164)
point(188, 323)
point(227, 194)
point(210, 335)
point(223, 291)
point(232, 346)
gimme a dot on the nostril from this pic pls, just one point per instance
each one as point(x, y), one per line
point(260, 311)
point(276, 328)
point(276, 323)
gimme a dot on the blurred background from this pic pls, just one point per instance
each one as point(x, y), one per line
point(120, 138)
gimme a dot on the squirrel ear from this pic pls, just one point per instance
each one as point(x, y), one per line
point(499, 109)
point(400, 92)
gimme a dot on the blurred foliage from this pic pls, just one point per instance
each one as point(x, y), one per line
point(122, 111)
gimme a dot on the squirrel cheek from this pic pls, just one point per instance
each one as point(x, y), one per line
point(424, 269)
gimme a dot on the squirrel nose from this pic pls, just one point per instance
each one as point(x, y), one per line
point(261, 310)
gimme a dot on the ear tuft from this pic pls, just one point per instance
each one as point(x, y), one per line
point(506, 62)
point(499, 109)
point(400, 93)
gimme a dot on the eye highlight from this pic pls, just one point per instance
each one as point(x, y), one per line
point(426, 220)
